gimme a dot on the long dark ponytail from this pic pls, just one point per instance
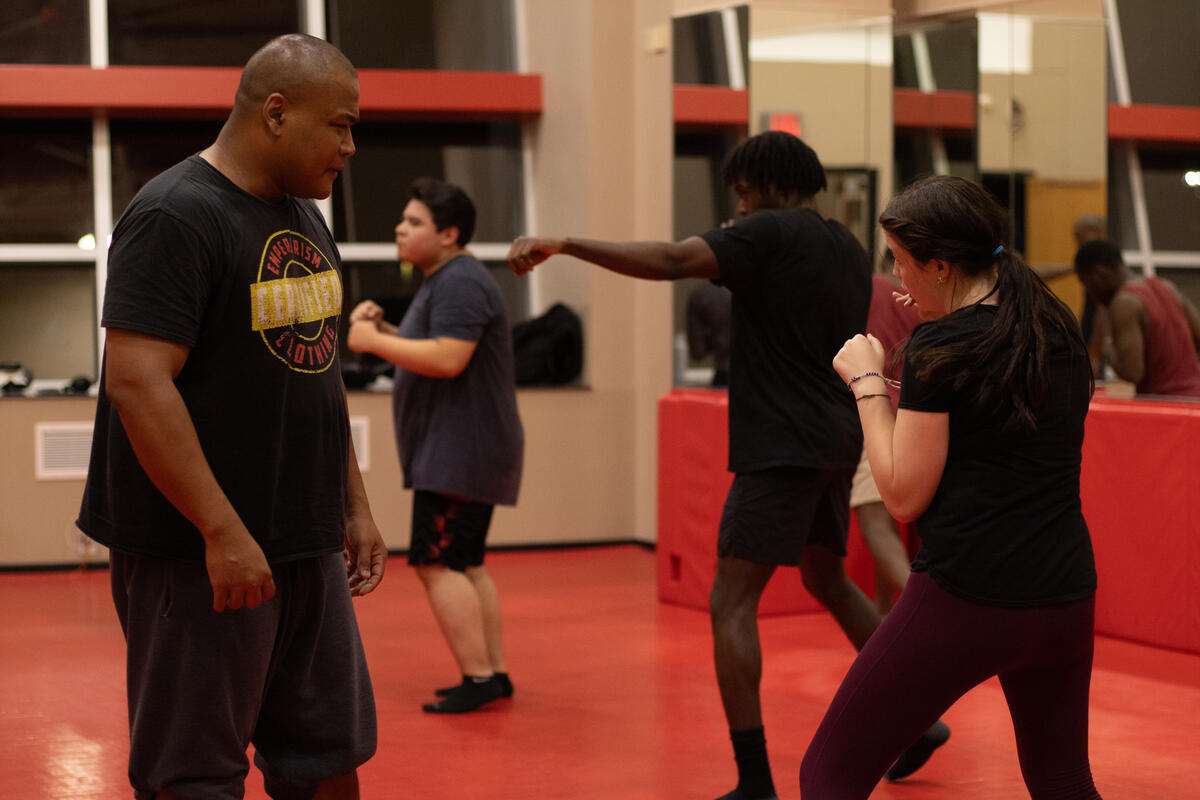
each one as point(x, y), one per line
point(955, 220)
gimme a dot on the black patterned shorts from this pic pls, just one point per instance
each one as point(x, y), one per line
point(448, 531)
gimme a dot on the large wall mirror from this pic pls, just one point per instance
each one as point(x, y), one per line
point(710, 48)
point(1014, 96)
point(826, 68)
point(1043, 141)
point(935, 77)
point(822, 70)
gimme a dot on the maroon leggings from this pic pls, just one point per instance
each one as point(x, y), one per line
point(930, 650)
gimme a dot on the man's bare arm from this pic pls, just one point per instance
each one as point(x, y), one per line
point(441, 357)
point(662, 261)
point(140, 372)
point(1128, 353)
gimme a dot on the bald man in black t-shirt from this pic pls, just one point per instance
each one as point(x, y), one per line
point(223, 477)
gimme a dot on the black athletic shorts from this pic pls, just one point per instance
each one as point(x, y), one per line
point(770, 515)
point(448, 531)
point(289, 676)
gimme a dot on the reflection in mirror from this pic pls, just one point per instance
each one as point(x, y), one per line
point(701, 308)
point(709, 48)
point(822, 71)
point(850, 199)
point(1154, 186)
point(1042, 126)
point(936, 80)
point(1154, 169)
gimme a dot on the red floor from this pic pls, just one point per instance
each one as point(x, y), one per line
point(615, 697)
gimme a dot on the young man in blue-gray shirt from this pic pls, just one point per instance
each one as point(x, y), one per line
point(459, 435)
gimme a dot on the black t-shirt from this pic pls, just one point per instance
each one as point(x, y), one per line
point(252, 287)
point(801, 287)
point(1005, 527)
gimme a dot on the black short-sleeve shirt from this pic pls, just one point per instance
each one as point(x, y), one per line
point(253, 289)
point(1005, 526)
point(801, 287)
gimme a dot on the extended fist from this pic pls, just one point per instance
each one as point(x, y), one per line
point(529, 251)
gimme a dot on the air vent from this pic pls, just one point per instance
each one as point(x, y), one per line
point(360, 434)
point(61, 450)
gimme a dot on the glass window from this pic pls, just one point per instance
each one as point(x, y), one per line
point(392, 285)
point(142, 149)
point(1187, 279)
point(953, 57)
point(483, 158)
point(1172, 205)
point(1160, 50)
point(195, 32)
point(46, 190)
point(698, 47)
point(48, 319)
point(1122, 227)
point(44, 32)
point(473, 35)
point(904, 62)
point(925, 152)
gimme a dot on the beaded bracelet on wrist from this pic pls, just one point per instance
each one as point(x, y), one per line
point(888, 381)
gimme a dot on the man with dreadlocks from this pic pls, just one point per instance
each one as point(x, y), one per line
point(801, 284)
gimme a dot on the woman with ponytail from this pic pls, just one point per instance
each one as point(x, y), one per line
point(984, 453)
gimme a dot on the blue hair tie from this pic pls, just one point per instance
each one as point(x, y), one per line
point(999, 249)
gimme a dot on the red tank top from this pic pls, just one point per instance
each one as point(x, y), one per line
point(1170, 358)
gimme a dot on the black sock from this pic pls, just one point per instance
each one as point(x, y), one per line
point(754, 770)
point(506, 687)
point(470, 695)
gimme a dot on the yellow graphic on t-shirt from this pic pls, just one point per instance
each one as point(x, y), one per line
point(287, 301)
point(296, 301)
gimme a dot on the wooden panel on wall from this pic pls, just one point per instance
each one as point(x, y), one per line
point(1050, 243)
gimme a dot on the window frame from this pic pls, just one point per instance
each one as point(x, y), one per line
point(1131, 126)
point(101, 92)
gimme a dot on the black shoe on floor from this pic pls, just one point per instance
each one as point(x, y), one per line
point(506, 687)
point(466, 697)
point(915, 756)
